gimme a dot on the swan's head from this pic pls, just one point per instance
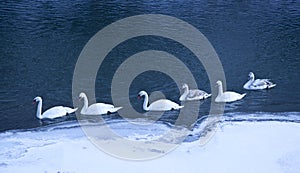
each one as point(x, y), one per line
point(37, 99)
point(142, 93)
point(82, 95)
point(219, 83)
point(185, 86)
point(251, 75)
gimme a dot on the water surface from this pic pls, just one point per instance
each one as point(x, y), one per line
point(41, 41)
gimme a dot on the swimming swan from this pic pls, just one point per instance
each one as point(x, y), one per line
point(228, 96)
point(257, 84)
point(158, 105)
point(97, 108)
point(55, 112)
point(193, 94)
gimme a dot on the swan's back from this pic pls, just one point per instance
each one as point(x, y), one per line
point(229, 96)
point(57, 111)
point(197, 94)
point(163, 105)
point(263, 83)
point(100, 105)
point(100, 108)
point(194, 94)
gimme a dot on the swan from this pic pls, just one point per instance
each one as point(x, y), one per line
point(228, 96)
point(158, 105)
point(97, 108)
point(193, 94)
point(258, 84)
point(55, 112)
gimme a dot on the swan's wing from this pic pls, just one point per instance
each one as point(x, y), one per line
point(269, 83)
point(230, 96)
point(103, 105)
point(158, 105)
point(197, 93)
point(163, 105)
point(92, 110)
point(260, 82)
point(101, 108)
point(57, 111)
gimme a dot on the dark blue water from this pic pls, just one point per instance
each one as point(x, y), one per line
point(41, 41)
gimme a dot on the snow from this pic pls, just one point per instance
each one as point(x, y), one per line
point(237, 146)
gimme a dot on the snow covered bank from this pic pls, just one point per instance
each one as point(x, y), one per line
point(238, 146)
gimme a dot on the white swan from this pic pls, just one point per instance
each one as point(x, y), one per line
point(55, 112)
point(97, 108)
point(258, 84)
point(227, 96)
point(158, 105)
point(193, 94)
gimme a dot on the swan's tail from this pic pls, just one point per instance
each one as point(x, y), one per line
point(179, 107)
point(271, 86)
point(243, 95)
point(115, 109)
point(207, 95)
point(70, 110)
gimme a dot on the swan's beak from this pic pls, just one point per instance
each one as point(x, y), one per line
point(139, 97)
point(33, 102)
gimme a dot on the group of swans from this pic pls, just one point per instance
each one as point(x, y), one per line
point(251, 84)
point(60, 111)
point(196, 94)
point(158, 105)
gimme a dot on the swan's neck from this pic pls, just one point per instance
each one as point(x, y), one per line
point(85, 103)
point(250, 81)
point(253, 77)
point(145, 105)
point(220, 90)
point(185, 92)
point(39, 110)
